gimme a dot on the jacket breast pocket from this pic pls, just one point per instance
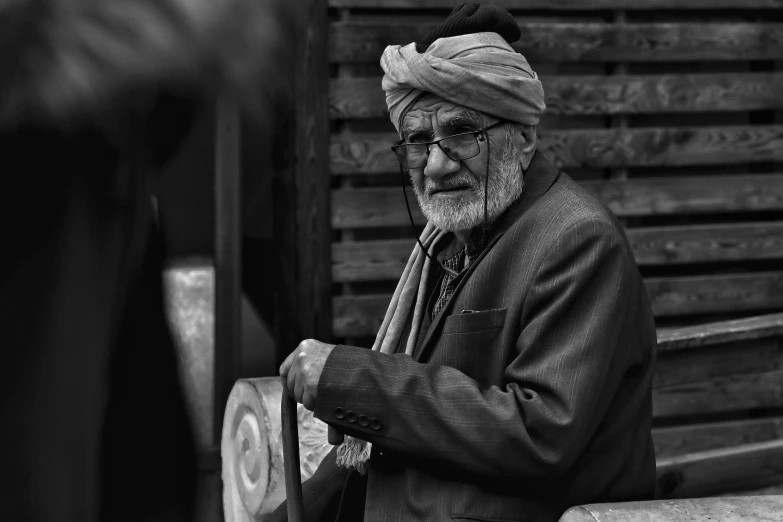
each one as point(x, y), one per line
point(474, 321)
point(468, 343)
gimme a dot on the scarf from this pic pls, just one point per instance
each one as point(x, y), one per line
point(407, 308)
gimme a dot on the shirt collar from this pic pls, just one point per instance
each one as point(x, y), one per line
point(455, 247)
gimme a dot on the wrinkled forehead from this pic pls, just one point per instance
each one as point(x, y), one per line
point(431, 111)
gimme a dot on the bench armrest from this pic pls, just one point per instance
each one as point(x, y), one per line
point(696, 509)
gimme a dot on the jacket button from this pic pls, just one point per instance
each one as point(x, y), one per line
point(375, 424)
point(350, 416)
point(339, 412)
point(363, 420)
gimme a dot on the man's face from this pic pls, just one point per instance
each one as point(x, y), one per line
point(451, 193)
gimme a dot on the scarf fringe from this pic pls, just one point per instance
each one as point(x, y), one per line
point(354, 453)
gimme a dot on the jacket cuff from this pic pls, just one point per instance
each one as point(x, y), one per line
point(340, 400)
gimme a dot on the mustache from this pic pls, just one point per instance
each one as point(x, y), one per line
point(461, 180)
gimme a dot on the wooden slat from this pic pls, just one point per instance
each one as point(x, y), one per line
point(713, 472)
point(722, 394)
point(714, 379)
point(707, 243)
point(680, 440)
point(385, 260)
point(361, 315)
point(597, 148)
point(370, 260)
point(584, 42)
point(374, 207)
point(755, 356)
point(586, 95)
point(385, 207)
point(690, 195)
point(760, 291)
point(566, 5)
point(769, 325)
point(358, 315)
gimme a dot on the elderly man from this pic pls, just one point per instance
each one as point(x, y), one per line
point(511, 377)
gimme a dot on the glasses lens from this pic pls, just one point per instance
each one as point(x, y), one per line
point(412, 156)
point(460, 147)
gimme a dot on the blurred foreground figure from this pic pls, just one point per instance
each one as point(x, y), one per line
point(95, 97)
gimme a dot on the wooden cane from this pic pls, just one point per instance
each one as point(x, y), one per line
point(293, 478)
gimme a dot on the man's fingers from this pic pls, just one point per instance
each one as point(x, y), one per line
point(295, 373)
point(299, 387)
point(284, 382)
point(308, 401)
point(286, 366)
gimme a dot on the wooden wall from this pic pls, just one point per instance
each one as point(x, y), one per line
point(667, 110)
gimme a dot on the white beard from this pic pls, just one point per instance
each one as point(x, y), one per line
point(466, 212)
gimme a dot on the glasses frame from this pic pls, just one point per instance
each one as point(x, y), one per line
point(429, 144)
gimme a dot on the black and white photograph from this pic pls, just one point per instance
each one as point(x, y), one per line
point(391, 261)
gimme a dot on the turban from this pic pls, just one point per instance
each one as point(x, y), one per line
point(479, 70)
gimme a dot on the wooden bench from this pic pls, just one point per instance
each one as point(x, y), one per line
point(701, 369)
point(669, 112)
point(707, 372)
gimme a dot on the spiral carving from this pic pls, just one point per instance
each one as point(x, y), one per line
point(252, 450)
point(250, 460)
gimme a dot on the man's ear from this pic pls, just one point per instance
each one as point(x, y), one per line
point(531, 140)
point(528, 146)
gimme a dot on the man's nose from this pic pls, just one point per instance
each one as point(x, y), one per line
point(438, 164)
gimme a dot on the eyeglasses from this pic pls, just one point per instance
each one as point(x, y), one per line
point(458, 147)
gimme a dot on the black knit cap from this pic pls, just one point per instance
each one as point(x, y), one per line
point(474, 18)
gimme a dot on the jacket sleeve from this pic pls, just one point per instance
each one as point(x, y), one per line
point(571, 357)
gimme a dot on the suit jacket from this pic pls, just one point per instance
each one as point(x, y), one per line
point(537, 398)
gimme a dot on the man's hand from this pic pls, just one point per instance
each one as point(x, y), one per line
point(302, 369)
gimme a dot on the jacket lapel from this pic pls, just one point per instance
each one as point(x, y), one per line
point(539, 177)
